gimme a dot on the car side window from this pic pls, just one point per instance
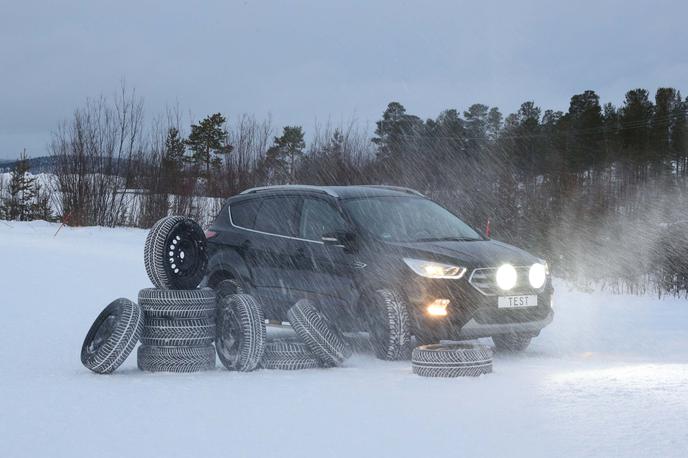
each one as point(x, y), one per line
point(278, 215)
point(317, 218)
point(244, 213)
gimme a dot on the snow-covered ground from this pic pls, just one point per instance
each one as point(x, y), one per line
point(608, 378)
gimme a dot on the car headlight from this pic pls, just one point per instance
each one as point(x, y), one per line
point(537, 275)
point(432, 269)
point(506, 277)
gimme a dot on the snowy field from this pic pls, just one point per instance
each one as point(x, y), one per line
point(608, 378)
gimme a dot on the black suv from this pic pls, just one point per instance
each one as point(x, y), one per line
point(381, 259)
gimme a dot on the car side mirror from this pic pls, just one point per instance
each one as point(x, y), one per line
point(344, 239)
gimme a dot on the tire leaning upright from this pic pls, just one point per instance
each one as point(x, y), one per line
point(322, 338)
point(112, 337)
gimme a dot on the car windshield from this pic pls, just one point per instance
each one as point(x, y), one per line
point(408, 219)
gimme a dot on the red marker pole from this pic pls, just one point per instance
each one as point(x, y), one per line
point(65, 220)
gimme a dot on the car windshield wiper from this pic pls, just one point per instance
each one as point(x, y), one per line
point(448, 239)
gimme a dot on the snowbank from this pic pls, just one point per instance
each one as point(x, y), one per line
point(608, 378)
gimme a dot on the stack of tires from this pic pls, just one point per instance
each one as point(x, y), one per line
point(179, 320)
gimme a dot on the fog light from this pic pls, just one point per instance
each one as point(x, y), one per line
point(438, 307)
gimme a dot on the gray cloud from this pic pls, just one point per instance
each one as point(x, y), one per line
point(302, 60)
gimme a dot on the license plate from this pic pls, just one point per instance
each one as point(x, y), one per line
point(510, 302)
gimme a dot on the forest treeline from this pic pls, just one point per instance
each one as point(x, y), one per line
point(590, 188)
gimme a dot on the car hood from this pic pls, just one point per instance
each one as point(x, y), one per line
point(483, 253)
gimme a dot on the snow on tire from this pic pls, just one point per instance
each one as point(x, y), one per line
point(390, 331)
point(175, 253)
point(194, 332)
point(178, 304)
point(288, 355)
point(322, 338)
point(240, 332)
point(451, 360)
point(153, 358)
point(112, 337)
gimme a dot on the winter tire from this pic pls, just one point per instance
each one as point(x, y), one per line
point(112, 336)
point(390, 331)
point(451, 360)
point(322, 338)
point(175, 253)
point(511, 343)
point(152, 358)
point(288, 355)
point(227, 288)
point(177, 304)
point(240, 332)
point(194, 333)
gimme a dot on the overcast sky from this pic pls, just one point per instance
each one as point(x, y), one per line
point(308, 60)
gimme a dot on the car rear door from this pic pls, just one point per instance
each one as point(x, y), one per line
point(325, 270)
point(270, 248)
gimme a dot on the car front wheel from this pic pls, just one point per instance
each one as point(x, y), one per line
point(511, 343)
point(390, 330)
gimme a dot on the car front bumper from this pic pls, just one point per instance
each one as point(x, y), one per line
point(470, 313)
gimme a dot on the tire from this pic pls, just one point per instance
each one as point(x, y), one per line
point(228, 287)
point(175, 253)
point(240, 332)
point(288, 355)
point(112, 337)
point(152, 358)
point(390, 330)
point(194, 333)
point(178, 304)
point(322, 338)
point(511, 343)
point(451, 360)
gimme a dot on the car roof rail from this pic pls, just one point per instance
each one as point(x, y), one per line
point(396, 188)
point(291, 187)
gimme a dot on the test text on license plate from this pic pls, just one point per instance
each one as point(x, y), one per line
point(507, 302)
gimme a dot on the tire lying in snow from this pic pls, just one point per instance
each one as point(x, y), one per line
point(288, 355)
point(175, 253)
point(390, 331)
point(194, 332)
point(112, 337)
point(451, 360)
point(511, 343)
point(240, 335)
point(322, 338)
point(175, 359)
point(177, 304)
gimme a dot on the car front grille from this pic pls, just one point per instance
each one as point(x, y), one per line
point(485, 281)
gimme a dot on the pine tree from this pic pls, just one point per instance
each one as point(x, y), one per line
point(208, 142)
point(19, 203)
point(282, 157)
point(172, 161)
point(40, 208)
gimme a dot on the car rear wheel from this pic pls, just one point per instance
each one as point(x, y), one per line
point(240, 332)
point(511, 343)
